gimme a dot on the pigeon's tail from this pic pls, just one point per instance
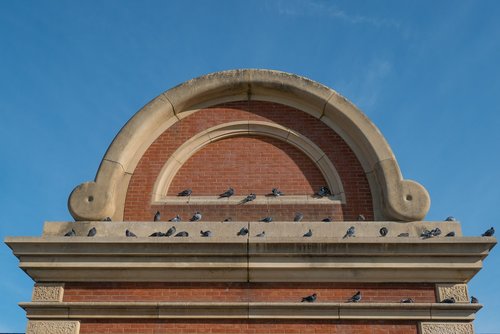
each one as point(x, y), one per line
point(345, 236)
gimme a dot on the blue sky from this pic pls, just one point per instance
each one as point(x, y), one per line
point(72, 73)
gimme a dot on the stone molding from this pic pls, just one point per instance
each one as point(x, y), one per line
point(446, 328)
point(252, 310)
point(458, 291)
point(53, 327)
point(48, 292)
point(250, 128)
point(260, 200)
point(394, 198)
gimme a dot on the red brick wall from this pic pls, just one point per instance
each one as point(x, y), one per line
point(247, 326)
point(297, 175)
point(243, 292)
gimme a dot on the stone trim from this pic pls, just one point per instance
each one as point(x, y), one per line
point(394, 198)
point(446, 328)
point(53, 327)
point(260, 200)
point(458, 291)
point(48, 292)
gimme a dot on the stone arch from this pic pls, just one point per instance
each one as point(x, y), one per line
point(393, 197)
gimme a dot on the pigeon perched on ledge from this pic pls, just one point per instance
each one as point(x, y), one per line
point(261, 235)
point(249, 198)
point(206, 234)
point(474, 300)
point(298, 217)
point(407, 300)
point(309, 299)
point(266, 219)
point(182, 234)
point(327, 220)
point(107, 219)
point(186, 192)
point(170, 231)
point(243, 231)
point(361, 218)
point(196, 217)
point(130, 234)
point(92, 232)
point(308, 234)
point(276, 192)
point(228, 193)
point(176, 219)
point(322, 192)
point(383, 231)
point(157, 216)
point(350, 232)
point(488, 232)
point(450, 219)
point(403, 235)
point(71, 233)
point(157, 234)
point(356, 298)
point(450, 300)
point(450, 234)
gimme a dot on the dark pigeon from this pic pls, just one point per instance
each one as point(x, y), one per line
point(92, 232)
point(186, 192)
point(228, 219)
point(266, 219)
point(361, 218)
point(327, 220)
point(356, 298)
point(157, 234)
point(426, 234)
point(107, 219)
point(436, 232)
point(450, 300)
point(383, 231)
point(323, 191)
point(262, 234)
point(130, 234)
point(71, 233)
point(182, 234)
point(227, 193)
point(157, 216)
point(450, 234)
point(170, 231)
point(407, 300)
point(249, 198)
point(206, 234)
point(488, 232)
point(450, 219)
point(243, 231)
point(196, 217)
point(298, 217)
point(474, 300)
point(350, 232)
point(176, 219)
point(308, 234)
point(276, 192)
point(309, 299)
point(403, 235)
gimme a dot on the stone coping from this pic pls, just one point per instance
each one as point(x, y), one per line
point(260, 200)
point(252, 310)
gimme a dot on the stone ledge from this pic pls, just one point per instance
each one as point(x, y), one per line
point(252, 310)
point(260, 200)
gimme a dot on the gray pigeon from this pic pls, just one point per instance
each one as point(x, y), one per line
point(92, 232)
point(176, 219)
point(157, 216)
point(323, 191)
point(182, 234)
point(356, 298)
point(249, 198)
point(474, 300)
point(403, 235)
point(407, 300)
point(266, 219)
point(262, 234)
point(308, 234)
point(227, 193)
point(196, 217)
point(383, 231)
point(450, 300)
point(71, 233)
point(186, 192)
point(276, 192)
point(309, 299)
point(450, 219)
point(157, 234)
point(243, 231)
point(361, 218)
point(298, 217)
point(436, 232)
point(450, 234)
point(130, 234)
point(170, 231)
point(206, 233)
point(350, 232)
point(107, 219)
point(327, 220)
point(426, 234)
point(488, 232)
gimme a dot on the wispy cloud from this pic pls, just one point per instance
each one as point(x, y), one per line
point(321, 9)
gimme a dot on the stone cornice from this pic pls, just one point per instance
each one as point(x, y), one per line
point(252, 310)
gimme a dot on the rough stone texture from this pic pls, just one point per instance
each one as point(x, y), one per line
point(48, 292)
point(458, 291)
point(446, 328)
point(53, 327)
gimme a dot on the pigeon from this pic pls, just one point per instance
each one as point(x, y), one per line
point(157, 216)
point(176, 219)
point(361, 218)
point(184, 193)
point(182, 234)
point(450, 234)
point(266, 219)
point(403, 235)
point(130, 234)
point(323, 191)
point(107, 219)
point(350, 232)
point(249, 198)
point(450, 300)
point(327, 220)
point(298, 217)
point(71, 233)
point(383, 231)
point(488, 233)
point(308, 234)
point(407, 300)
point(450, 219)
point(243, 231)
point(426, 234)
point(196, 217)
point(206, 233)
point(474, 300)
point(157, 234)
point(276, 192)
point(92, 232)
point(228, 219)
point(436, 232)
point(262, 234)
point(309, 299)
point(227, 193)
point(356, 298)
point(170, 231)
